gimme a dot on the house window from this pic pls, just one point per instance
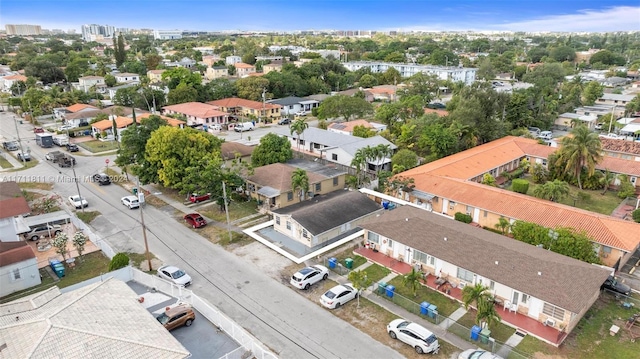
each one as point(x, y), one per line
point(335, 181)
point(553, 311)
point(318, 187)
point(432, 261)
point(390, 243)
point(452, 205)
point(525, 298)
point(419, 256)
point(469, 210)
point(485, 214)
point(288, 225)
point(544, 162)
point(334, 156)
point(15, 274)
point(373, 237)
point(465, 275)
point(304, 233)
point(606, 249)
point(289, 196)
point(492, 285)
point(278, 220)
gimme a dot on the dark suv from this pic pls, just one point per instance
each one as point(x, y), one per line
point(613, 285)
point(102, 179)
point(72, 147)
point(10, 145)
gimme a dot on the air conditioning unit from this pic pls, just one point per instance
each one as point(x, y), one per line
point(550, 322)
point(605, 255)
point(462, 285)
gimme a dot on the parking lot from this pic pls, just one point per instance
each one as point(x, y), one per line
point(202, 339)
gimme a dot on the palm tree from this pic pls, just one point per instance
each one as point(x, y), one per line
point(606, 179)
point(487, 311)
point(298, 127)
point(300, 182)
point(412, 280)
point(553, 190)
point(503, 225)
point(580, 150)
point(359, 161)
point(472, 294)
point(360, 281)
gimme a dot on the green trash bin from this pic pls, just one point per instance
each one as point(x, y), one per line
point(348, 263)
point(484, 336)
point(381, 287)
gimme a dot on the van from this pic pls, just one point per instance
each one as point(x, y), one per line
point(545, 135)
point(244, 126)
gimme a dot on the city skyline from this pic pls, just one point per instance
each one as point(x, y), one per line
point(279, 15)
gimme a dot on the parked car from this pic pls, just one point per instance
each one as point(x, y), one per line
point(546, 135)
point(175, 317)
point(308, 276)
point(613, 285)
point(102, 179)
point(10, 145)
point(437, 106)
point(534, 131)
point(53, 156)
point(302, 113)
point(72, 147)
point(612, 136)
point(65, 128)
point(38, 130)
point(46, 230)
point(24, 156)
point(175, 275)
point(338, 295)
point(78, 202)
point(66, 161)
point(244, 126)
point(195, 198)
point(195, 220)
point(477, 354)
point(130, 201)
point(83, 123)
point(598, 126)
point(419, 337)
point(284, 121)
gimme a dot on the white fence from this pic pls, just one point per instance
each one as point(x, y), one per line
point(94, 238)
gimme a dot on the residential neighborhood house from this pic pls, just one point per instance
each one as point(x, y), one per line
point(346, 128)
point(198, 113)
point(247, 108)
point(292, 105)
point(18, 267)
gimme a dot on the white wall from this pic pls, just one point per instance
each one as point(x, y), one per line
point(8, 230)
point(28, 272)
point(343, 157)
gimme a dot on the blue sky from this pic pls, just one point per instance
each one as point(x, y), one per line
point(428, 15)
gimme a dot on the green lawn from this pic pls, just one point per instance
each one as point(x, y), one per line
point(500, 332)
point(445, 305)
point(87, 216)
point(26, 165)
point(237, 210)
point(376, 272)
point(4, 163)
point(97, 146)
point(593, 201)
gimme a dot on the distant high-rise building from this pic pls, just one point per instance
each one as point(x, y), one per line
point(23, 30)
point(90, 32)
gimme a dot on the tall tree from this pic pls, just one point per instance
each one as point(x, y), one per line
point(120, 53)
point(133, 145)
point(411, 280)
point(553, 190)
point(343, 106)
point(272, 149)
point(579, 151)
point(300, 183)
point(298, 127)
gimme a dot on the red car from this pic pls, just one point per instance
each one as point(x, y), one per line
point(38, 130)
point(195, 198)
point(195, 220)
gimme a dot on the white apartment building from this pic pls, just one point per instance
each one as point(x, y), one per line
point(456, 74)
point(23, 30)
point(93, 31)
point(167, 34)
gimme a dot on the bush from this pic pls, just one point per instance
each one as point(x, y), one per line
point(118, 261)
point(636, 215)
point(314, 112)
point(463, 217)
point(515, 174)
point(520, 186)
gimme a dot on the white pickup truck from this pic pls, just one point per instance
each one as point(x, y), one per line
point(61, 140)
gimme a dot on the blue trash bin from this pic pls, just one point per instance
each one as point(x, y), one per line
point(475, 331)
point(424, 306)
point(390, 290)
point(385, 204)
point(432, 311)
point(332, 262)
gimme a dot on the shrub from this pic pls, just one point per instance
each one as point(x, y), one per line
point(118, 261)
point(515, 174)
point(636, 215)
point(520, 186)
point(314, 112)
point(463, 217)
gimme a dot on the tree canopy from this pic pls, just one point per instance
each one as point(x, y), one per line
point(272, 149)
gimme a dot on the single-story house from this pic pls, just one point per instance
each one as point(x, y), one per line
point(236, 151)
point(271, 184)
point(100, 320)
point(126, 77)
point(540, 284)
point(327, 217)
point(13, 206)
point(248, 108)
point(346, 128)
point(155, 75)
point(106, 127)
point(569, 120)
point(18, 267)
point(198, 113)
point(627, 150)
point(292, 105)
point(7, 81)
point(170, 121)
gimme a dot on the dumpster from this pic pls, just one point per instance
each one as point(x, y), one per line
point(390, 290)
point(424, 307)
point(348, 263)
point(475, 331)
point(332, 262)
point(432, 311)
point(484, 336)
point(381, 287)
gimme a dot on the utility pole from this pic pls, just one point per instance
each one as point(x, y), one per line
point(75, 179)
point(144, 229)
point(15, 122)
point(264, 90)
point(612, 118)
point(226, 209)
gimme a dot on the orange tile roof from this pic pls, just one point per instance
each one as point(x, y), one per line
point(619, 165)
point(80, 106)
point(438, 112)
point(242, 65)
point(16, 77)
point(170, 121)
point(350, 125)
point(256, 74)
point(196, 109)
point(121, 122)
point(156, 71)
point(240, 102)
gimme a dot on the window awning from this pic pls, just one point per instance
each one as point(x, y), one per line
point(268, 192)
point(422, 195)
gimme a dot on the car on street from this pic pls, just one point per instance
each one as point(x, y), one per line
point(102, 179)
point(24, 156)
point(308, 276)
point(302, 113)
point(65, 128)
point(284, 121)
point(175, 317)
point(46, 230)
point(613, 285)
point(195, 197)
point(130, 201)
point(38, 130)
point(66, 161)
point(477, 354)
point(420, 338)
point(78, 202)
point(72, 147)
point(10, 145)
point(611, 136)
point(175, 275)
point(53, 156)
point(195, 220)
point(338, 295)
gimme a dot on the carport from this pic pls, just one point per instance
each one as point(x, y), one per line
point(26, 223)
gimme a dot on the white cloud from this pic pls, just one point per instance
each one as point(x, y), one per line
point(619, 18)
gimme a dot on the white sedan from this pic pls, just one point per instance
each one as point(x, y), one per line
point(477, 354)
point(130, 201)
point(65, 127)
point(175, 275)
point(308, 276)
point(338, 295)
point(78, 202)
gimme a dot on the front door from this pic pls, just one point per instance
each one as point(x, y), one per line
point(515, 298)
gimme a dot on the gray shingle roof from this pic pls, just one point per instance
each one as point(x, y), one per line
point(332, 139)
point(562, 281)
point(101, 320)
point(331, 210)
point(287, 101)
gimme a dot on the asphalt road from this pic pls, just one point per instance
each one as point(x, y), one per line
point(285, 322)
